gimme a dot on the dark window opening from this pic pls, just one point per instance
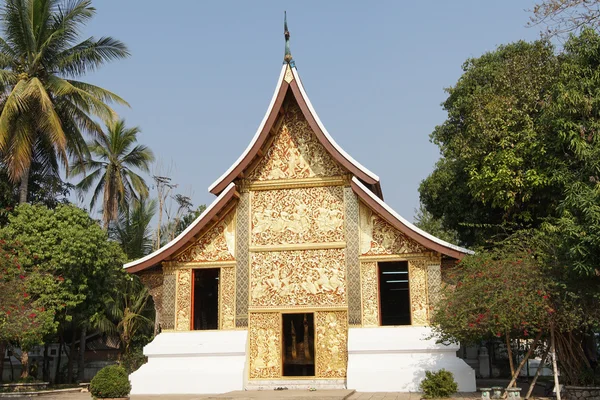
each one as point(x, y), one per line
point(206, 299)
point(394, 293)
point(298, 345)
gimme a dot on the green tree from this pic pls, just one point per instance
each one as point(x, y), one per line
point(43, 112)
point(426, 221)
point(117, 154)
point(132, 230)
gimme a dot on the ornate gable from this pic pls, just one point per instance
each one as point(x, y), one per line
point(295, 152)
point(218, 244)
point(377, 237)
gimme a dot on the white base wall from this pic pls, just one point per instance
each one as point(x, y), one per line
point(195, 362)
point(394, 359)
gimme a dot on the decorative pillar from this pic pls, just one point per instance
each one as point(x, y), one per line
point(227, 298)
point(183, 300)
point(167, 321)
point(242, 244)
point(417, 280)
point(434, 286)
point(352, 253)
point(369, 292)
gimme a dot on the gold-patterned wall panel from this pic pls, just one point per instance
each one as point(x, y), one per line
point(295, 152)
point(218, 244)
point(370, 294)
point(153, 280)
point(291, 216)
point(169, 296)
point(184, 300)
point(227, 297)
point(299, 278)
point(377, 237)
point(331, 344)
point(434, 285)
point(264, 336)
point(352, 253)
point(242, 243)
point(417, 278)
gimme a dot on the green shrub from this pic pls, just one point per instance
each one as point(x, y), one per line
point(438, 384)
point(110, 381)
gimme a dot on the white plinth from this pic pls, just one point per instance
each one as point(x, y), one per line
point(196, 362)
point(394, 359)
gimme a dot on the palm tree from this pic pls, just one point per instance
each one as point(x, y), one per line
point(132, 230)
point(44, 111)
point(116, 154)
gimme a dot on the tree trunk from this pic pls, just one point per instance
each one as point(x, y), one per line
point(24, 187)
point(524, 360)
point(24, 364)
point(71, 357)
point(46, 364)
point(537, 374)
point(81, 361)
point(510, 356)
point(61, 343)
point(2, 352)
point(554, 364)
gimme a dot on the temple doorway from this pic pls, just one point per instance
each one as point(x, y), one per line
point(394, 293)
point(298, 344)
point(205, 304)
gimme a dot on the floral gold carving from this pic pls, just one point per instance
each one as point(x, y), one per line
point(434, 285)
point(295, 151)
point(218, 244)
point(184, 300)
point(265, 345)
point(298, 278)
point(153, 280)
point(380, 238)
point(331, 344)
point(369, 292)
point(307, 215)
point(417, 277)
point(227, 300)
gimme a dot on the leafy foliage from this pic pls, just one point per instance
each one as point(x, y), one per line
point(438, 384)
point(132, 230)
point(44, 112)
point(116, 154)
point(566, 16)
point(110, 382)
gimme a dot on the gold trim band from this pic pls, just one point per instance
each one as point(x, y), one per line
point(300, 246)
point(199, 264)
point(430, 256)
point(298, 183)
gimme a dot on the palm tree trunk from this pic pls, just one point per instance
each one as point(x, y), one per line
point(24, 186)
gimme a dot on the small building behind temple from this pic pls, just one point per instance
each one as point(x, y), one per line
point(298, 274)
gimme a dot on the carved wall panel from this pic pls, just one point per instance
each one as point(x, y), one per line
point(184, 300)
point(295, 152)
point(290, 216)
point(434, 285)
point(242, 233)
point(264, 336)
point(352, 253)
point(370, 293)
point(218, 244)
point(227, 297)
point(169, 294)
point(299, 278)
point(377, 237)
point(153, 280)
point(417, 278)
point(331, 344)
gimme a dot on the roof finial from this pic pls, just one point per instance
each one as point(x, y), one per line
point(288, 54)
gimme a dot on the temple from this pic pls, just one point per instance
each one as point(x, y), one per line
point(298, 274)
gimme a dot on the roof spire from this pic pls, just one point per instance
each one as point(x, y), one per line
point(288, 54)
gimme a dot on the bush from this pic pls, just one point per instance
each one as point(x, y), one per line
point(438, 384)
point(110, 381)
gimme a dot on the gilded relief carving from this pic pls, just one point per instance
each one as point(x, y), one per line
point(289, 216)
point(295, 152)
point(184, 300)
point(265, 345)
point(379, 238)
point(154, 281)
point(227, 300)
point(169, 296)
point(298, 278)
point(218, 244)
point(370, 294)
point(434, 284)
point(352, 253)
point(331, 344)
point(242, 242)
point(417, 276)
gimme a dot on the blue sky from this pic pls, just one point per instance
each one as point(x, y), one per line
point(201, 76)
